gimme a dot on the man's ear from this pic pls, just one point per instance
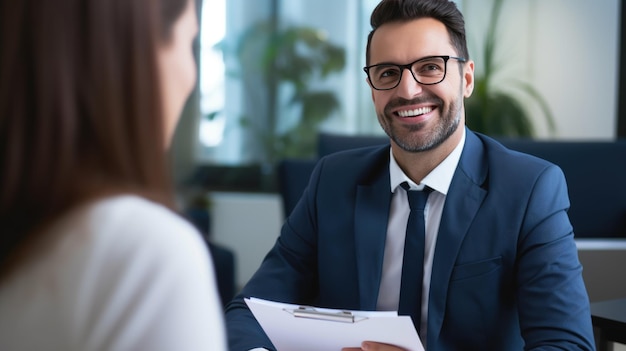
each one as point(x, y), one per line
point(468, 79)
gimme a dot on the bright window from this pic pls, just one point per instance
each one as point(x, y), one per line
point(212, 73)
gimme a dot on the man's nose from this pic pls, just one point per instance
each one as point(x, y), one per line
point(408, 87)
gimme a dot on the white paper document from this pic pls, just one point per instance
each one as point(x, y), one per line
point(293, 327)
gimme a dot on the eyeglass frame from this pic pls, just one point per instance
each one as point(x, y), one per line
point(408, 66)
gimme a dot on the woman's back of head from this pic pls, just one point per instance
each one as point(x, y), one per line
point(80, 111)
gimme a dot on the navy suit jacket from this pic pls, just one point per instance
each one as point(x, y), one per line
point(505, 274)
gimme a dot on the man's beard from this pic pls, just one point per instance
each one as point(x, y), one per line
point(404, 136)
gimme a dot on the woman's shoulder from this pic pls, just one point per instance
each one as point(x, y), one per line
point(128, 209)
point(132, 225)
point(120, 271)
point(145, 257)
point(133, 216)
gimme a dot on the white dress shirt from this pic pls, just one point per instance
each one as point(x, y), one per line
point(439, 180)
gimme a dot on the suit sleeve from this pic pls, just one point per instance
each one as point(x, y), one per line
point(552, 299)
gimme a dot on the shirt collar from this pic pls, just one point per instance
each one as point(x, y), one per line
point(438, 179)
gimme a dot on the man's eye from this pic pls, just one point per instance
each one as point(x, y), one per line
point(388, 73)
point(430, 68)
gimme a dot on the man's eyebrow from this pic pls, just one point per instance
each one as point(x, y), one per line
point(403, 64)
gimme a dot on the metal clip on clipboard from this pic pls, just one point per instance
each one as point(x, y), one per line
point(335, 316)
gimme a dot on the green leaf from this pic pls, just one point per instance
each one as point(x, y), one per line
point(543, 104)
point(296, 56)
point(211, 115)
point(496, 112)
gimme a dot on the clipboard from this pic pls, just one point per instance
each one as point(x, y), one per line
point(308, 328)
point(325, 315)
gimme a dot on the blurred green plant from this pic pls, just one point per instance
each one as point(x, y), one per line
point(290, 60)
point(496, 112)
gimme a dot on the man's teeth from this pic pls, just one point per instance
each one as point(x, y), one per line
point(416, 112)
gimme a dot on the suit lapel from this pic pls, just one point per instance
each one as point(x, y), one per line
point(371, 215)
point(462, 203)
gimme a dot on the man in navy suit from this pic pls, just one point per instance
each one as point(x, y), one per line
point(500, 266)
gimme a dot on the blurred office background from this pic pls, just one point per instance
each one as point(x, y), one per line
point(567, 49)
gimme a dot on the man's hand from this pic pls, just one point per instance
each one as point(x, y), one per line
point(373, 346)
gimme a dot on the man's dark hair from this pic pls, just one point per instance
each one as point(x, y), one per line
point(443, 11)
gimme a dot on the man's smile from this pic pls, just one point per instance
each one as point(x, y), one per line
point(414, 112)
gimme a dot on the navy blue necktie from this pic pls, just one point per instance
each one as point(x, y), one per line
point(413, 261)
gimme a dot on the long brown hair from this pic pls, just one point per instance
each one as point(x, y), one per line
point(80, 107)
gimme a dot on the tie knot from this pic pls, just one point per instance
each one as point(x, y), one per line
point(417, 198)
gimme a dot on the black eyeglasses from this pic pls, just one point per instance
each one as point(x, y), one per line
point(427, 71)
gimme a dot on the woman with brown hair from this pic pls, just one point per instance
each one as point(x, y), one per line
point(92, 257)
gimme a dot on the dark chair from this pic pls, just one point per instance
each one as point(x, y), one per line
point(224, 262)
point(223, 258)
point(596, 178)
point(328, 143)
